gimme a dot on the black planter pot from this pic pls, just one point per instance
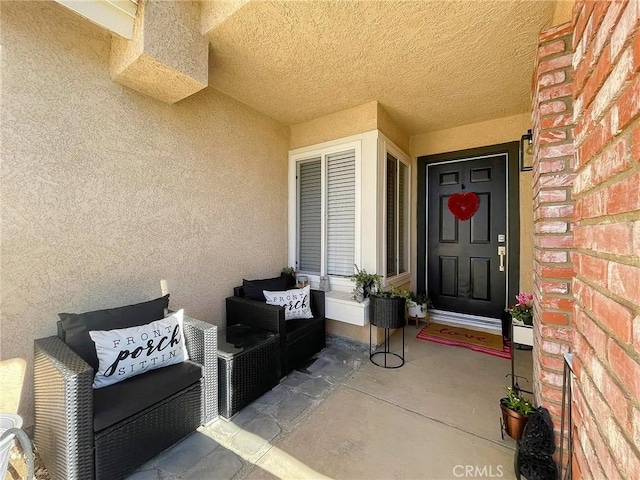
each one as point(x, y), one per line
point(387, 312)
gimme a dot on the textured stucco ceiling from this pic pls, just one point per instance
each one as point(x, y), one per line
point(431, 64)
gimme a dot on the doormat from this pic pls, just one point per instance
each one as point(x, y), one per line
point(463, 337)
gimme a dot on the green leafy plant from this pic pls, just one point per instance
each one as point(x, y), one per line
point(365, 283)
point(420, 299)
point(289, 270)
point(393, 292)
point(522, 312)
point(516, 402)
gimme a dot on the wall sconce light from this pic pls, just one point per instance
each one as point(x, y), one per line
point(526, 151)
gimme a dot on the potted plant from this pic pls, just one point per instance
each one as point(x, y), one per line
point(522, 319)
point(418, 305)
point(289, 271)
point(522, 312)
point(388, 308)
point(515, 412)
point(365, 284)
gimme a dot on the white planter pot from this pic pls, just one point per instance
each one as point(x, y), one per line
point(416, 311)
point(523, 334)
point(7, 421)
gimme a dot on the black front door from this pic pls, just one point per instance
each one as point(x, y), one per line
point(466, 273)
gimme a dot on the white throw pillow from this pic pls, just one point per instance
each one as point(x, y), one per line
point(296, 302)
point(127, 352)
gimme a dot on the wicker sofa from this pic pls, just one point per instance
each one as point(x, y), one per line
point(82, 433)
point(300, 339)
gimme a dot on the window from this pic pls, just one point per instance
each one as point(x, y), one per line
point(349, 203)
point(397, 216)
point(326, 190)
point(310, 217)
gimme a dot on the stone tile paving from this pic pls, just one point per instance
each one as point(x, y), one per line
point(229, 449)
point(220, 464)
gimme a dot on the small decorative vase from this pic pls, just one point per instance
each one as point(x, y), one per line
point(324, 284)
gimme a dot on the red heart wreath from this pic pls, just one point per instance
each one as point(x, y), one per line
point(463, 205)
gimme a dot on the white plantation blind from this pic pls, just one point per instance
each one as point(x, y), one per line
point(397, 199)
point(310, 216)
point(341, 213)
point(392, 225)
point(403, 217)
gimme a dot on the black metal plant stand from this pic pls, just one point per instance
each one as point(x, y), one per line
point(514, 377)
point(566, 412)
point(385, 350)
point(387, 313)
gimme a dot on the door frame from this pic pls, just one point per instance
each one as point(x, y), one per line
point(512, 150)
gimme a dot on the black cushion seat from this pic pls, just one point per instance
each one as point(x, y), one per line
point(301, 326)
point(122, 400)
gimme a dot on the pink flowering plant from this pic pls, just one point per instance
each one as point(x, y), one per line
point(522, 312)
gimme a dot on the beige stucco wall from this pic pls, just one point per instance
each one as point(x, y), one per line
point(391, 129)
point(360, 119)
point(491, 132)
point(106, 192)
point(352, 121)
point(563, 11)
point(167, 58)
point(526, 232)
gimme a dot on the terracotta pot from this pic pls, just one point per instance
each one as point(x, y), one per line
point(514, 422)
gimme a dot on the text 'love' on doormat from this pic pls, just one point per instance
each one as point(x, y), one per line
point(463, 337)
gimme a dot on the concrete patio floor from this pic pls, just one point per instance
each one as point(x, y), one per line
point(437, 417)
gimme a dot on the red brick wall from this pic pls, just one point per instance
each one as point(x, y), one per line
point(606, 286)
point(553, 213)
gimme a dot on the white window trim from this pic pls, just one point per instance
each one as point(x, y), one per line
point(387, 146)
point(115, 15)
point(322, 150)
point(370, 250)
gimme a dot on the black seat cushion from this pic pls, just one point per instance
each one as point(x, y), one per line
point(122, 400)
point(300, 327)
point(75, 327)
point(253, 288)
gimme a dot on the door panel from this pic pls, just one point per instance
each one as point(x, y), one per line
point(448, 223)
point(481, 221)
point(448, 276)
point(463, 272)
point(480, 278)
point(480, 175)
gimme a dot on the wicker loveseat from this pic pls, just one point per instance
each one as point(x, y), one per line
point(300, 339)
point(107, 433)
